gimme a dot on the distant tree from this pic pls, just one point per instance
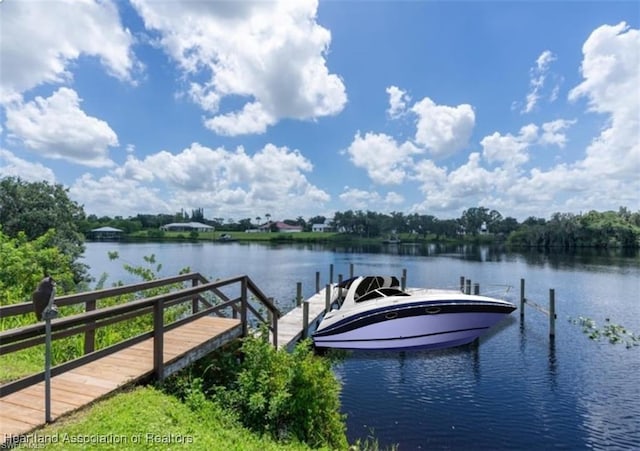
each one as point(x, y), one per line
point(244, 224)
point(36, 207)
point(197, 215)
point(301, 222)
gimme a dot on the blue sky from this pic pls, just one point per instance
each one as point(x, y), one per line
point(305, 108)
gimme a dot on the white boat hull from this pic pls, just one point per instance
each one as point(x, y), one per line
point(427, 331)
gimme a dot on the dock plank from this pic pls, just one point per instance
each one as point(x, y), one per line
point(24, 410)
point(290, 325)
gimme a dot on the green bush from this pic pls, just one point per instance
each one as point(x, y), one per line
point(290, 396)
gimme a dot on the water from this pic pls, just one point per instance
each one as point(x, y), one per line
point(516, 390)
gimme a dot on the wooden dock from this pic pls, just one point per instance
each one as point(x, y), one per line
point(23, 411)
point(212, 315)
point(291, 327)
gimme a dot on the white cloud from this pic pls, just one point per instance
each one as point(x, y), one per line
point(384, 159)
point(553, 132)
point(398, 100)
point(442, 129)
point(31, 57)
point(538, 75)
point(112, 195)
point(271, 54)
point(358, 199)
point(251, 119)
point(12, 166)
point(508, 149)
point(467, 185)
point(611, 71)
point(57, 128)
point(227, 183)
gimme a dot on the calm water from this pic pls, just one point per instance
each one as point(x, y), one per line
point(516, 390)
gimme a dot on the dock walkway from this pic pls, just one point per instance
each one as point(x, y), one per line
point(24, 410)
point(291, 326)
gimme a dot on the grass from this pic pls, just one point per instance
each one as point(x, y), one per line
point(146, 418)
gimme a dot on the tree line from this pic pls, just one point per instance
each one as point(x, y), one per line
point(36, 207)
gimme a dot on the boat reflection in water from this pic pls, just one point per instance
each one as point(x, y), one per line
point(376, 314)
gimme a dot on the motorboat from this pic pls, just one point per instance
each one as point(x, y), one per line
point(373, 312)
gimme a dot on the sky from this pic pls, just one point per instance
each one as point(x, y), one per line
point(305, 108)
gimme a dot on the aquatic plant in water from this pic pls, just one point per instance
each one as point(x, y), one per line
point(611, 332)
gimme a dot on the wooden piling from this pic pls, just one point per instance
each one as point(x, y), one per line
point(331, 273)
point(462, 284)
point(522, 299)
point(350, 270)
point(317, 281)
point(327, 298)
point(305, 319)
point(476, 288)
point(403, 280)
point(467, 288)
point(298, 293)
point(552, 313)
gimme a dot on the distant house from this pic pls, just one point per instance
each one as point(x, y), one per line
point(106, 233)
point(284, 227)
point(187, 227)
point(325, 227)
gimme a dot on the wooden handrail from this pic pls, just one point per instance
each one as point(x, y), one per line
point(25, 308)
point(24, 337)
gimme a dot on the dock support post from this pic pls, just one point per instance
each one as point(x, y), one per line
point(339, 283)
point(298, 293)
point(274, 325)
point(403, 280)
point(462, 284)
point(552, 314)
point(90, 335)
point(522, 299)
point(244, 301)
point(317, 281)
point(350, 270)
point(476, 288)
point(331, 273)
point(158, 340)
point(194, 300)
point(47, 371)
point(327, 298)
point(467, 288)
point(305, 319)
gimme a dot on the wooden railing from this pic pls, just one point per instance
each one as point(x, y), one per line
point(93, 318)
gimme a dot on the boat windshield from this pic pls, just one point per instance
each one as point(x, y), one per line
point(381, 293)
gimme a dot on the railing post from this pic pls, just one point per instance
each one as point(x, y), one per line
point(552, 313)
point(522, 299)
point(317, 281)
point(243, 306)
point(327, 298)
point(90, 334)
point(274, 325)
point(331, 273)
point(305, 319)
point(158, 340)
point(298, 293)
point(194, 301)
point(47, 371)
